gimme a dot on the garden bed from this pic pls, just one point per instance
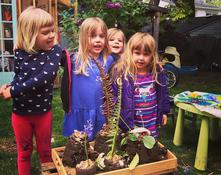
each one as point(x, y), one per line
point(159, 167)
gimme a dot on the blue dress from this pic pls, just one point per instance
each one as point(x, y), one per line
point(86, 111)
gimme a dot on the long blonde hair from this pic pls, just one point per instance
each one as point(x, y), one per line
point(30, 22)
point(126, 65)
point(114, 31)
point(89, 26)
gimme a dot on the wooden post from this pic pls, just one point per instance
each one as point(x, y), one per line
point(156, 24)
point(75, 7)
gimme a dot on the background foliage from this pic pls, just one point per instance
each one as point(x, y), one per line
point(129, 15)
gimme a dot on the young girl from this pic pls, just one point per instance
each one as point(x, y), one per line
point(36, 62)
point(116, 41)
point(85, 112)
point(145, 100)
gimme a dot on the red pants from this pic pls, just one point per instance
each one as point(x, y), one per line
point(24, 128)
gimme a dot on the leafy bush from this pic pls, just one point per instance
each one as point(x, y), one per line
point(129, 15)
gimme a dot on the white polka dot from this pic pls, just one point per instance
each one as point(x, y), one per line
point(44, 109)
point(24, 84)
point(46, 90)
point(45, 100)
point(38, 106)
point(13, 88)
point(59, 64)
point(16, 67)
point(53, 73)
point(17, 84)
point(35, 79)
point(14, 109)
point(45, 82)
point(16, 99)
point(22, 105)
point(21, 93)
point(25, 63)
point(42, 53)
point(58, 54)
point(20, 78)
point(33, 88)
point(29, 110)
point(52, 48)
point(52, 64)
point(20, 58)
point(35, 59)
point(41, 63)
point(45, 72)
point(29, 101)
point(33, 68)
point(25, 73)
point(39, 95)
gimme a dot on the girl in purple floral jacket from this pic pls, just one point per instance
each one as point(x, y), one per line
point(145, 97)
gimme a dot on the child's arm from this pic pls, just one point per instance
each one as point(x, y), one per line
point(47, 75)
point(66, 81)
point(166, 98)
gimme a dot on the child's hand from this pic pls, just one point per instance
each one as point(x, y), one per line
point(3, 87)
point(6, 93)
point(164, 120)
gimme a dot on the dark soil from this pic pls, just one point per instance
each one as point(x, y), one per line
point(101, 144)
point(145, 155)
point(74, 151)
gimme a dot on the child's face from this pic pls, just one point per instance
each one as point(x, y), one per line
point(96, 43)
point(45, 38)
point(116, 43)
point(142, 60)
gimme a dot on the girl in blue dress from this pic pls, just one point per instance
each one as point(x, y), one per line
point(84, 109)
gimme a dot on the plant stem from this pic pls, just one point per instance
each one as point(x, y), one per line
point(85, 148)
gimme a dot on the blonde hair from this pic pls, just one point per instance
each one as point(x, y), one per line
point(30, 22)
point(88, 27)
point(114, 31)
point(126, 65)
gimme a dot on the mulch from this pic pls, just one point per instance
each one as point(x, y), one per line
point(8, 145)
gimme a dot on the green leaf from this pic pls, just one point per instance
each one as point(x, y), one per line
point(123, 141)
point(132, 137)
point(134, 162)
point(149, 141)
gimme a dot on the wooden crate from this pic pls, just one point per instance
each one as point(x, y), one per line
point(156, 168)
point(48, 169)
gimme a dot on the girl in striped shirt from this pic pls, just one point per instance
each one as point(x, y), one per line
point(145, 98)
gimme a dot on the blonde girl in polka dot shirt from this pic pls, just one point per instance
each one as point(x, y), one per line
point(36, 62)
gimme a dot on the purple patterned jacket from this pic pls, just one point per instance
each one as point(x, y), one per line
point(127, 104)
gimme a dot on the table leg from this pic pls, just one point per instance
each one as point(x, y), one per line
point(202, 147)
point(213, 129)
point(178, 135)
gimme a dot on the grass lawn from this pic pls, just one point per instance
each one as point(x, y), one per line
point(207, 82)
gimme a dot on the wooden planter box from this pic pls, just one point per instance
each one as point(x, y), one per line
point(160, 167)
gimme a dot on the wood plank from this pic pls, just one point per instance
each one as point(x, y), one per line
point(156, 168)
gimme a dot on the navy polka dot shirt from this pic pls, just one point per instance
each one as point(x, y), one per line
point(33, 82)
